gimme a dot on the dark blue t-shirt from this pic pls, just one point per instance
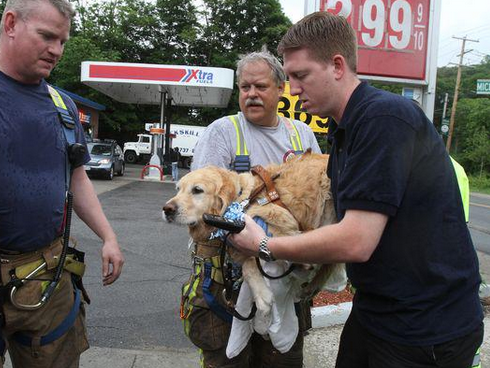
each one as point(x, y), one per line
point(32, 165)
point(420, 286)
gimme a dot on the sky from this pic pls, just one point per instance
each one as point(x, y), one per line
point(458, 18)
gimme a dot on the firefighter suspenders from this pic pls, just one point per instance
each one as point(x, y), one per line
point(74, 153)
point(242, 156)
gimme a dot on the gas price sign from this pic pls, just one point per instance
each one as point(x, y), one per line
point(392, 35)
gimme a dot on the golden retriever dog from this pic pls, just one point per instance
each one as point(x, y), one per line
point(303, 186)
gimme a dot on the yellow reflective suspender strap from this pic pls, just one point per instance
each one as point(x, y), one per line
point(293, 135)
point(68, 125)
point(55, 96)
point(241, 146)
point(241, 163)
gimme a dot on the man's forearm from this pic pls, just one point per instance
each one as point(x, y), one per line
point(354, 239)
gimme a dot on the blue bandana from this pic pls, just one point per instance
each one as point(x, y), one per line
point(235, 211)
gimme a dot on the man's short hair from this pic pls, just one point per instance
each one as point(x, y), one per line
point(24, 7)
point(277, 72)
point(324, 35)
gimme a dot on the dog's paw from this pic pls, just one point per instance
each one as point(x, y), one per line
point(262, 322)
point(263, 316)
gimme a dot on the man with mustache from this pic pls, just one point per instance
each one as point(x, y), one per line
point(268, 137)
point(42, 152)
point(265, 138)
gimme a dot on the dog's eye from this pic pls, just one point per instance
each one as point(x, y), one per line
point(197, 190)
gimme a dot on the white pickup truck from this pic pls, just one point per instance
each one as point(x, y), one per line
point(185, 140)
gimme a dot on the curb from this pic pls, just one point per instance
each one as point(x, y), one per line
point(330, 315)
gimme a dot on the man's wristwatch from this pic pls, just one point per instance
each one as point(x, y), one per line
point(264, 251)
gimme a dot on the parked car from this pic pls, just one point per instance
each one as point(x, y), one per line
point(106, 159)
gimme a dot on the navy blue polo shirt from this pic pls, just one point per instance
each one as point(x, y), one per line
point(32, 165)
point(420, 286)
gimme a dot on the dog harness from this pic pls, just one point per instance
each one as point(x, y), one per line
point(210, 268)
point(242, 156)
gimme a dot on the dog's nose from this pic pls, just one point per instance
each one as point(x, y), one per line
point(169, 210)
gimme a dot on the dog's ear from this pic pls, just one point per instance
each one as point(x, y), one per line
point(228, 192)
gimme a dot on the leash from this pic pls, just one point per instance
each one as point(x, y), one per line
point(260, 221)
point(228, 280)
point(265, 274)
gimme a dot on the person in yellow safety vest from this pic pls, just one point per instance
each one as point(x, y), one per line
point(464, 188)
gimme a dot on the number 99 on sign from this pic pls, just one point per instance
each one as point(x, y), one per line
point(383, 23)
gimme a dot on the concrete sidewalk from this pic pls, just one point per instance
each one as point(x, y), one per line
point(321, 346)
point(320, 351)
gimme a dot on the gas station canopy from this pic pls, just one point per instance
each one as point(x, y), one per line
point(144, 83)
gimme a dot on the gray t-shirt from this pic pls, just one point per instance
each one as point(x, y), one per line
point(218, 144)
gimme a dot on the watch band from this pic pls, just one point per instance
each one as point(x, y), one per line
point(264, 251)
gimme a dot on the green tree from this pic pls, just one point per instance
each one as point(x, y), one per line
point(235, 27)
point(117, 31)
point(472, 133)
point(478, 154)
point(178, 31)
point(127, 28)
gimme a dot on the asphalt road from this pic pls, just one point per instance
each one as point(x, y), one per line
point(480, 221)
point(140, 311)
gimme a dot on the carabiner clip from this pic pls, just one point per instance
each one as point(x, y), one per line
point(14, 290)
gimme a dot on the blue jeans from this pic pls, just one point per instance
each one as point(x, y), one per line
point(175, 171)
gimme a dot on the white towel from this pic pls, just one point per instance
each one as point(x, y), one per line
point(283, 328)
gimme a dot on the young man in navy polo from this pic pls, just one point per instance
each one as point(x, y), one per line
point(401, 229)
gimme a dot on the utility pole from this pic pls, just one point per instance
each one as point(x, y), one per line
point(456, 91)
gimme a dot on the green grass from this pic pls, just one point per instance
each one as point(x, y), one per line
point(480, 184)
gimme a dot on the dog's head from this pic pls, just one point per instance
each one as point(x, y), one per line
point(207, 190)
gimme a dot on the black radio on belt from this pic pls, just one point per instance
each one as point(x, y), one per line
point(76, 153)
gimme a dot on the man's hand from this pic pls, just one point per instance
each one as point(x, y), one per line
point(112, 262)
point(247, 241)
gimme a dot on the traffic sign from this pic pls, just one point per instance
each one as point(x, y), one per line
point(445, 126)
point(483, 87)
